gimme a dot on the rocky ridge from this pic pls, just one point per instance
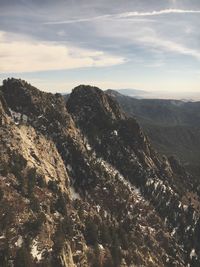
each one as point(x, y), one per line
point(81, 185)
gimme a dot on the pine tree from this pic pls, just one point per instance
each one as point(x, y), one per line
point(91, 232)
point(23, 258)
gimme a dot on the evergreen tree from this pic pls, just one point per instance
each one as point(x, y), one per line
point(31, 180)
point(1, 194)
point(23, 258)
point(59, 240)
point(116, 250)
point(105, 234)
point(91, 232)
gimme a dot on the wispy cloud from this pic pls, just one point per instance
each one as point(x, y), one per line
point(29, 56)
point(167, 45)
point(157, 13)
point(150, 37)
point(70, 21)
point(125, 15)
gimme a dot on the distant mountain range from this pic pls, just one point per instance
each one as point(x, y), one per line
point(133, 92)
point(140, 94)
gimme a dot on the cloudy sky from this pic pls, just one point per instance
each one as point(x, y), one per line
point(143, 44)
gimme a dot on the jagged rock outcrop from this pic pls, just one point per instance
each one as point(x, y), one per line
point(163, 182)
point(80, 185)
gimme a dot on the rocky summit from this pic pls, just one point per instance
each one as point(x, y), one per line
point(81, 185)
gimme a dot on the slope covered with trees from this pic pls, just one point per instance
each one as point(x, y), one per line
point(80, 185)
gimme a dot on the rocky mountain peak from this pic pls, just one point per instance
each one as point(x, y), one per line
point(91, 104)
point(100, 117)
point(18, 93)
point(27, 100)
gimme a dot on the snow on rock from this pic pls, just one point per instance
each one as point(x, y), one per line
point(19, 242)
point(98, 208)
point(115, 132)
point(159, 185)
point(193, 253)
point(105, 214)
point(73, 193)
point(57, 214)
point(119, 177)
point(88, 147)
point(69, 167)
point(17, 116)
point(35, 252)
point(100, 246)
point(174, 231)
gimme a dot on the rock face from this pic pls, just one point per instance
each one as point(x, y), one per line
point(80, 185)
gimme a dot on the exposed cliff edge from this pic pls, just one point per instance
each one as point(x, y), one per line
point(80, 185)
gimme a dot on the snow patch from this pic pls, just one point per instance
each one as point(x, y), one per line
point(100, 246)
point(88, 147)
point(17, 117)
point(73, 193)
point(115, 132)
point(19, 242)
point(69, 167)
point(193, 253)
point(35, 252)
point(119, 177)
point(98, 208)
point(174, 231)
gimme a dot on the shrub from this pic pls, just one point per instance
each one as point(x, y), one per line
point(52, 185)
point(1, 194)
point(33, 226)
point(23, 258)
point(91, 232)
point(31, 180)
point(61, 203)
point(34, 204)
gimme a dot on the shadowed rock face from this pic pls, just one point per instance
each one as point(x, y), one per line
point(80, 185)
point(99, 109)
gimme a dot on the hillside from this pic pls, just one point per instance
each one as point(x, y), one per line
point(80, 185)
point(173, 126)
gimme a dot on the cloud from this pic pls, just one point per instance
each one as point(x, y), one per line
point(70, 21)
point(160, 12)
point(28, 56)
point(154, 38)
point(125, 15)
point(168, 45)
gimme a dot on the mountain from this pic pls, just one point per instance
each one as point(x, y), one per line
point(173, 126)
point(132, 92)
point(81, 185)
point(176, 95)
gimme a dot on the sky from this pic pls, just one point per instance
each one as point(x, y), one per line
point(152, 45)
